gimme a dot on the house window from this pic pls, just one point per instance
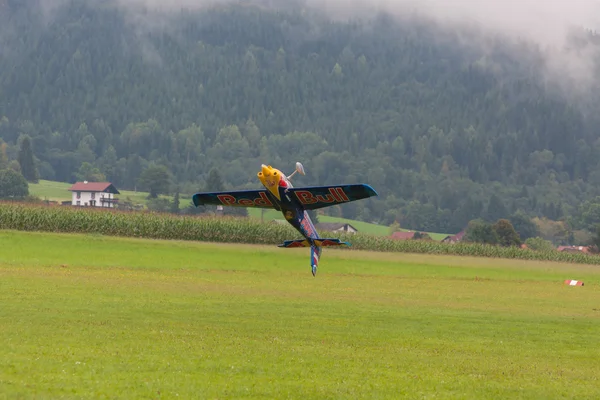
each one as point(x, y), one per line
point(93, 195)
point(78, 195)
point(78, 202)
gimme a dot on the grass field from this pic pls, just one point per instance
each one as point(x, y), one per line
point(87, 316)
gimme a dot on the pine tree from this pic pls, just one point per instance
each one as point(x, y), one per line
point(26, 161)
point(496, 209)
point(156, 180)
point(214, 182)
point(3, 156)
point(175, 203)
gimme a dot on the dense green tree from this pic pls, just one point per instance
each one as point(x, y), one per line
point(13, 185)
point(27, 162)
point(214, 182)
point(175, 203)
point(156, 180)
point(480, 231)
point(596, 238)
point(394, 227)
point(539, 244)
point(506, 234)
point(87, 172)
point(496, 209)
point(3, 155)
point(523, 225)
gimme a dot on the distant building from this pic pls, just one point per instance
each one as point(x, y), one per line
point(94, 194)
point(410, 235)
point(454, 238)
point(403, 235)
point(574, 249)
point(336, 227)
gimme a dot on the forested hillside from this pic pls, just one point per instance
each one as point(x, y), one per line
point(399, 105)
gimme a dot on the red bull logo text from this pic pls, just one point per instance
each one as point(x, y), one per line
point(335, 195)
point(229, 200)
point(305, 197)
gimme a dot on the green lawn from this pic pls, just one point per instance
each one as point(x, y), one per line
point(50, 190)
point(97, 317)
point(364, 227)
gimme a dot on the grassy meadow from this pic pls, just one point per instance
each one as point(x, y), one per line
point(89, 316)
point(361, 226)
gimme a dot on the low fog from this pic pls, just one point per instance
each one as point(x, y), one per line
point(546, 23)
point(543, 22)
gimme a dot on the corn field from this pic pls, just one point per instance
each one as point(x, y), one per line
point(26, 217)
point(33, 217)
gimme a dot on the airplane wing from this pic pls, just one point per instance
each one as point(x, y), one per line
point(235, 198)
point(315, 197)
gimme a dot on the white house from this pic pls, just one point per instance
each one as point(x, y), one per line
point(94, 194)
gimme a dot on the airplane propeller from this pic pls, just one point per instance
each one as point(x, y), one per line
point(299, 169)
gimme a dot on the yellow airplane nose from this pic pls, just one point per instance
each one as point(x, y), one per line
point(266, 171)
point(270, 178)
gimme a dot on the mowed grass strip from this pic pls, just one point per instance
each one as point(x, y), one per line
point(87, 316)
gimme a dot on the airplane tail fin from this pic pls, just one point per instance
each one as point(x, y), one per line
point(318, 243)
point(315, 250)
point(315, 254)
point(295, 243)
point(331, 242)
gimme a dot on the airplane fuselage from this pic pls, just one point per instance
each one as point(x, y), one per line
point(277, 184)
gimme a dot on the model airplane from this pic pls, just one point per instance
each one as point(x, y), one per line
point(279, 194)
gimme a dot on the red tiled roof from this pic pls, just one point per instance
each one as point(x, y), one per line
point(94, 187)
point(459, 235)
point(583, 249)
point(403, 235)
point(455, 238)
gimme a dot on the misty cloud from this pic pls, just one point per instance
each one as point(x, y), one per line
point(546, 23)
